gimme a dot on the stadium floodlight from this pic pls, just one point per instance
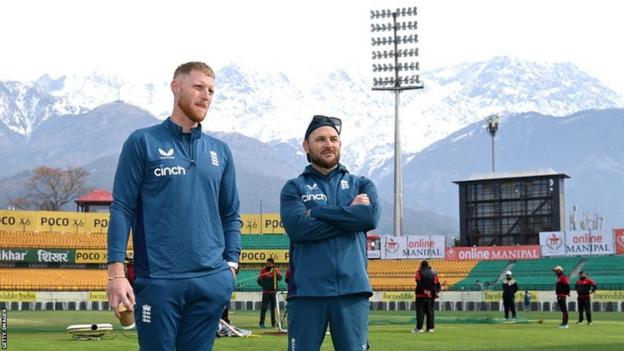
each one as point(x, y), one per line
point(395, 69)
point(492, 123)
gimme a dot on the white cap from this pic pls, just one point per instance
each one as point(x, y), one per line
point(508, 273)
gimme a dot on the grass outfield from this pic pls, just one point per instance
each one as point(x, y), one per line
point(42, 331)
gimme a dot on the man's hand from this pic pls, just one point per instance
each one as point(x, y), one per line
point(118, 288)
point(233, 270)
point(119, 291)
point(361, 199)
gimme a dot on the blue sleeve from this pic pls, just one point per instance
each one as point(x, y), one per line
point(229, 210)
point(353, 218)
point(300, 227)
point(126, 190)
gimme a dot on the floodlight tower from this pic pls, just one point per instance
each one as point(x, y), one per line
point(395, 68)
point(492, 123)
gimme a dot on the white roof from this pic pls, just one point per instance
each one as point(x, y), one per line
point(516, 174)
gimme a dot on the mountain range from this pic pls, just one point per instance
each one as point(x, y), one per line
point(270, 107)
point(83, 121)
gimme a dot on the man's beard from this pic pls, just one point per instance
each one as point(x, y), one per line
point(186, 105)
point(319, 161)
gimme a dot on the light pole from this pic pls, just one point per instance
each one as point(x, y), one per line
point(492, 126)
point(396, 69)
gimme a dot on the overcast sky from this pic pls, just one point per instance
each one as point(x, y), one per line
point(148, 39)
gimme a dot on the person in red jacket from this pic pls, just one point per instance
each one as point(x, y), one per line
point(584, 288)
point(268, 279)
point(426, 290)
point(562, 289)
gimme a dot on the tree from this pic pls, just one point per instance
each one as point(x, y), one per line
point(52, 188)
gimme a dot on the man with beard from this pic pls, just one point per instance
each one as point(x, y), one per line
point(326, 212)
point(562, 289)
point(175, 187)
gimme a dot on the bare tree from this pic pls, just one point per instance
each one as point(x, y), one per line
point(20, 203)
point(52, 188)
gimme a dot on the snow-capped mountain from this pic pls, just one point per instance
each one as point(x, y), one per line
point(584, 145)
point(271, 107)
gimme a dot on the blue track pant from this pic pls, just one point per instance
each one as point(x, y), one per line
point(181, 313)
point(347, 317)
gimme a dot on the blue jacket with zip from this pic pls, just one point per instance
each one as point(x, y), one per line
point(177, 191)
point(328, 244)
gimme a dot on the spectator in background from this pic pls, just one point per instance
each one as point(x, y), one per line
point(426, 282)
point(562, 289)
point(268, 279)
point(584, 288)
point(479, 285)
point(527, 300)
point(510, 287)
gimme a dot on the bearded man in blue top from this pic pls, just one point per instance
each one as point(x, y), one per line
point(175, 187)
point(326, 212)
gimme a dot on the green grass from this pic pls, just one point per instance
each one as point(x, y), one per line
point(42, 331)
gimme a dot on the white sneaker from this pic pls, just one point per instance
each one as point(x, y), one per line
point(590, 323)
point(563, 326)
point(414, 331)
point(431, 330)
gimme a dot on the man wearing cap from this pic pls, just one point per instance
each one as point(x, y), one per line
point(562, 289)
point(510, 287)
point(326, 212)
point(268, 279)
point(584, 288)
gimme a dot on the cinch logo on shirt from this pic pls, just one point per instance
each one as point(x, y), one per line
point(167, 171)
point(313, 197)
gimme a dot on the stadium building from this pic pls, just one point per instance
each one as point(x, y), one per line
point(510, 208)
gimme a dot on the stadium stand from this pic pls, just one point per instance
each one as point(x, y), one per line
point(606, 271)
point(485, 273)
point(247, 280)
point(265, 241)
point(46, 279)
point(51, 240)
point(538, 274)
point(398, 275)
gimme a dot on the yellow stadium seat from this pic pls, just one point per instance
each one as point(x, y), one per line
point(58, 279)
point(399, 275)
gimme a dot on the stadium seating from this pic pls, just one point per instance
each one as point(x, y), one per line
point(398, 275)
point(50, 240)
point(606, 271)
point(538, 274)
point(484, 274)
point(247, 281)
point(53, 279)
point(265, 241)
